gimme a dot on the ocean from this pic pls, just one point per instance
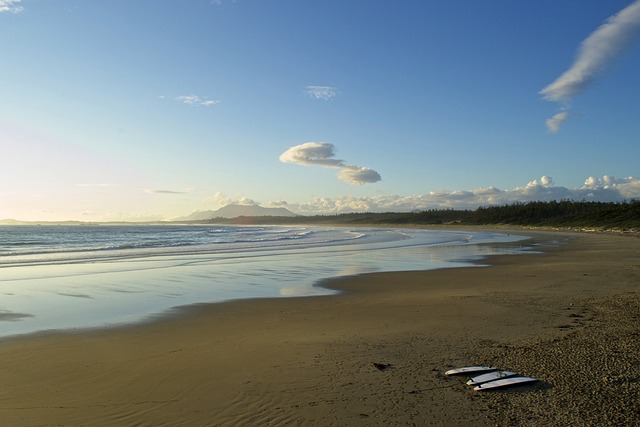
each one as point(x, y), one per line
point(87, 276)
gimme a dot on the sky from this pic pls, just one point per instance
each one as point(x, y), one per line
point(153, 109)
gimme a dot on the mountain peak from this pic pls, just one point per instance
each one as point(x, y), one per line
point(234, 211)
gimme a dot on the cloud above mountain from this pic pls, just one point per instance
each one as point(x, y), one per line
point(323, 154)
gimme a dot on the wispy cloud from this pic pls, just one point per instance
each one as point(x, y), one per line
point(12, 6)
point(605, 189)
point(555, 122)
point(160, 191)
point(323, 154)
point(323, 93)
point(594, 57)
point(196, 100)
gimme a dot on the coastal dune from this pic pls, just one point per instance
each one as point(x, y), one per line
point(373, 355)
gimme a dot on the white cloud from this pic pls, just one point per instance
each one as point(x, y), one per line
point(596, 53)
point(323, 154)
point(555, 122)
point(545, 181)
point(608, 186)
point(594, 56)
point(196, 100)
point(355, 175)
point(312, 153)
point(323, 93)
point(605, 189)
point(11, 6)
point(220, 199)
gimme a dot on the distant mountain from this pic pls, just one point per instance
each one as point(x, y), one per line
point(234, 211)
point(11, 222)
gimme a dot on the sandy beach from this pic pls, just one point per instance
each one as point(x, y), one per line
point(568, 316)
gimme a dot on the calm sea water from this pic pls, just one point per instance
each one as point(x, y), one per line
point(65, 277)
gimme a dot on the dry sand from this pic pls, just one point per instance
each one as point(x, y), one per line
point(569, 317)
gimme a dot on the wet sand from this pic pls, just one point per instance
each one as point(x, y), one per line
point(568, 316)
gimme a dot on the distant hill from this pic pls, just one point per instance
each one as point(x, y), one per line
point(11, 222)
point(234, 211)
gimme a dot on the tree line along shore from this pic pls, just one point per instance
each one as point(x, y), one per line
point(621, 216)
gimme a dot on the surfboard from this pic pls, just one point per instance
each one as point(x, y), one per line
point(491, 376)
point(470, 370)
point(505, 382)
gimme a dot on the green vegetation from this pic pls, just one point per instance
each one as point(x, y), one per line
point(565, 214)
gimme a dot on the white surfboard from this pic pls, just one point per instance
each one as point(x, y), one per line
point(470, 370)
point(491, 376)
point(505, 382)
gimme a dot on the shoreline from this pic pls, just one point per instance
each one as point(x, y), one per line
point(308, 360)
point(92, 291)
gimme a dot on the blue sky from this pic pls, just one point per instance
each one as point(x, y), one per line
point(153, 109)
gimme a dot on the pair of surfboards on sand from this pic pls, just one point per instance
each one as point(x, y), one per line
point(489, 378)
